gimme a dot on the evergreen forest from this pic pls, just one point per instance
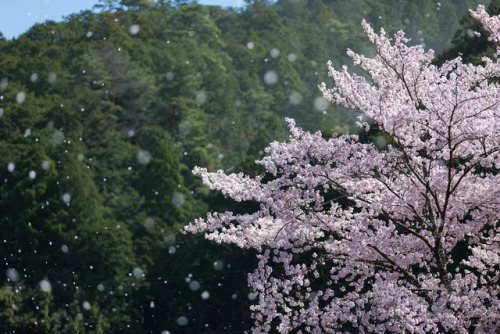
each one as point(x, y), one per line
point(104, 115)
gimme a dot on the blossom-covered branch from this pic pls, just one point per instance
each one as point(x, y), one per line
point(404, 239)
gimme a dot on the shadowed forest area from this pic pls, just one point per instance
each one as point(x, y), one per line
point(103, 117)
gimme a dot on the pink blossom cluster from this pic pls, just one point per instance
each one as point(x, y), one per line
point(491, 24)
point(403, 239)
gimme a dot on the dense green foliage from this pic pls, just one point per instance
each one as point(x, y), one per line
point(104, 115)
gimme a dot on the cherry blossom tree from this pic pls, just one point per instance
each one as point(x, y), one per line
point(356, 238)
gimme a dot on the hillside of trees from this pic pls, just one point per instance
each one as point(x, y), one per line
point(104, 115)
